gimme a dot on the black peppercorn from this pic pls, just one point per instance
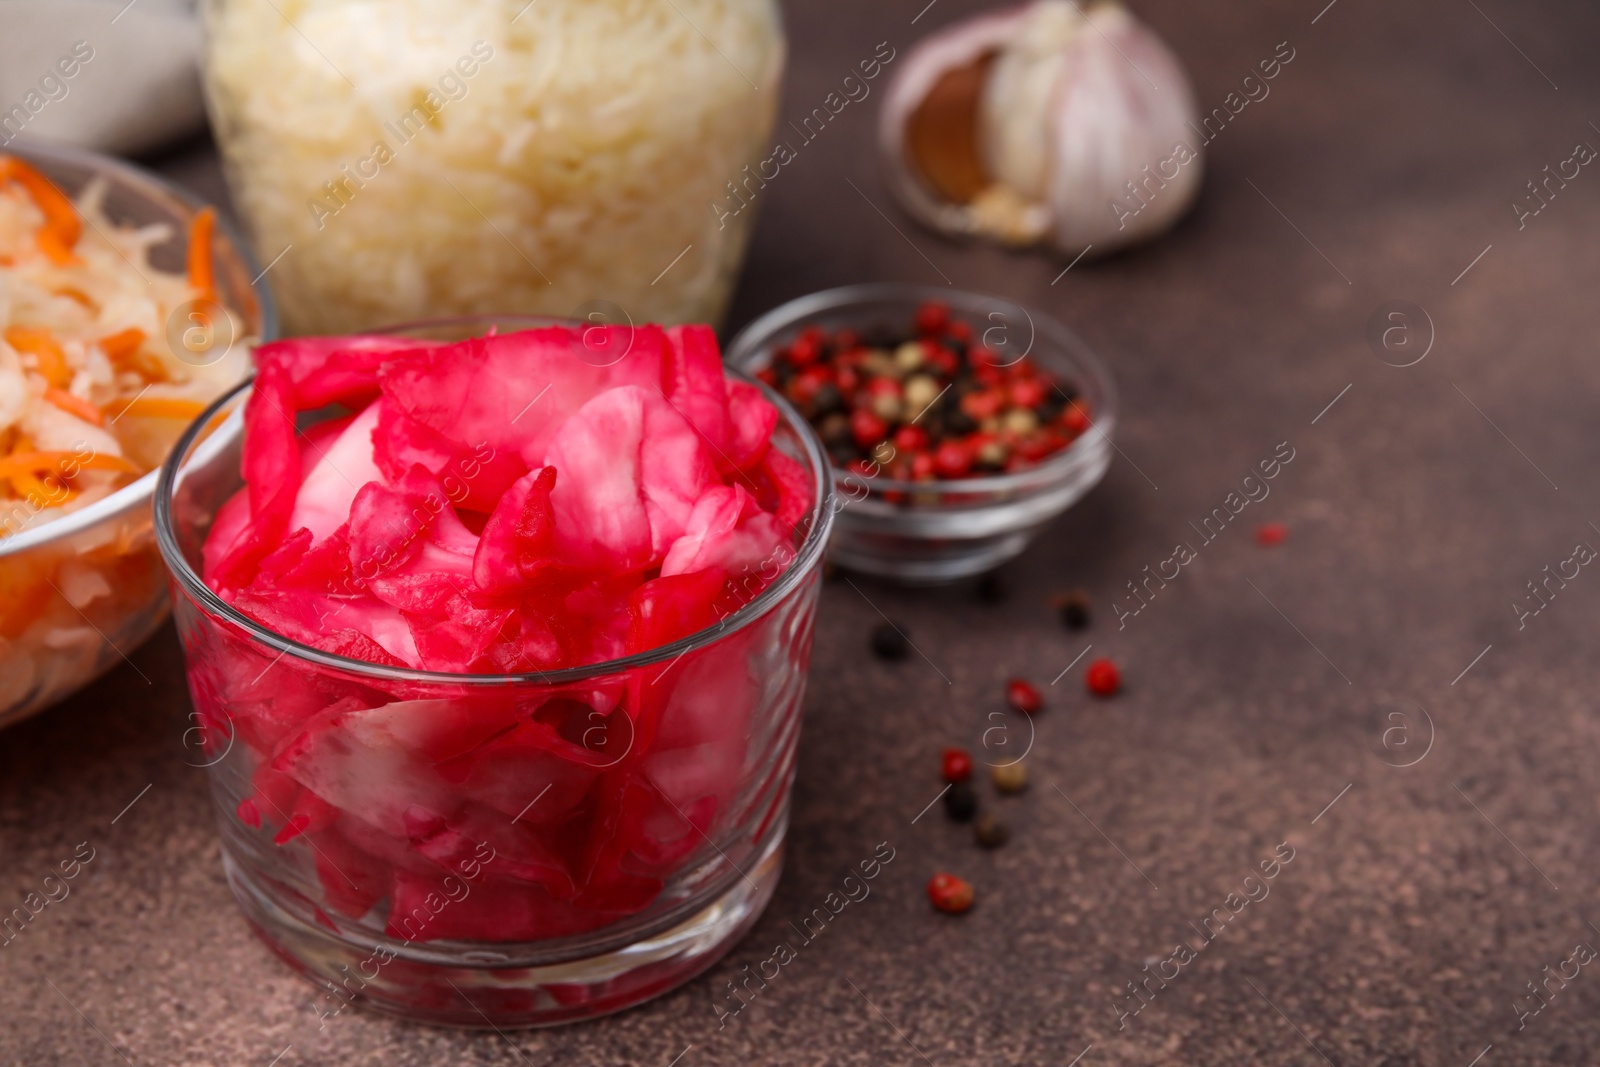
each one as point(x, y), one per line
point(960, 802)
point(1074, 609)
point(990, 832)
point(835, 431)
point(825, 401)
point(889, 642)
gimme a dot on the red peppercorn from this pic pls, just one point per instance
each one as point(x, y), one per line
point(1028, 392)
point(952, 460)
point(983, 404)
point(922, 468)
point(949, 893)
point(883, 387)
point(845, 340)
point(910, 439)
point(866, 427)
point(933, 317)
point(1103, 678)
point(960, 331)
point(768, 375)
point(805, 349)
point(1272, 534)
point(1023, 696)
point(956, 765)
point(1053, 443)
point(1034, 446)
point(943, 360)
point(849, 379)
point(1075, 419)
point(803, 386)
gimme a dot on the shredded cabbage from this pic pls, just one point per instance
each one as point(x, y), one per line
point(419, 158)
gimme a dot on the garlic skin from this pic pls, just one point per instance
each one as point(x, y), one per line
point(1083, 128)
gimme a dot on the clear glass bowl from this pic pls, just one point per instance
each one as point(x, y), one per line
point(495, 850)
point(940, 531)
point(50, 647)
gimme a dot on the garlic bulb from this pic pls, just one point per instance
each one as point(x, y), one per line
point(1047, 122)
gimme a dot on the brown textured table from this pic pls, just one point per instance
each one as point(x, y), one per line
point(1260, 683)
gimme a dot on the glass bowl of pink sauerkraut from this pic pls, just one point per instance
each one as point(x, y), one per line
point(497, 633)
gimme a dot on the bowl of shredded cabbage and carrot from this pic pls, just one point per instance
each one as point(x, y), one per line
point(126, 307)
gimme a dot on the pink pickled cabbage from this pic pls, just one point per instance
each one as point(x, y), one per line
point(509, 504)
point(497, 500)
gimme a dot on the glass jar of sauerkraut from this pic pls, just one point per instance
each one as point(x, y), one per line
point(405, 159)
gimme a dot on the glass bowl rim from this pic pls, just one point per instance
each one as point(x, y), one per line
point(742, 350)
point(142, 488)
point(807, 555)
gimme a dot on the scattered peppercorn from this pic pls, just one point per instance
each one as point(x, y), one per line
point(1074, 609)
point(956, 765)
point(992, 588)
point(1009, 778)
point(960, 802)
point(949, 893)
point(967, 411)
point(890, 642)
point(1272, 534)
point(1103, 678)
point(1023, 696)
point(990, 832)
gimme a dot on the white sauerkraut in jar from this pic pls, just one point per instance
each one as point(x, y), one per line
point(419, 158)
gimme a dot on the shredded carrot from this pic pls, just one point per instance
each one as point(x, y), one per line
point(79, 295)
point(162, 407)
point(46, 350)
point(122, 344)
point(28, 485)
point(202, 272)
point(61, 223)
point(126, 349)
point(75, 405)
point(58, 463)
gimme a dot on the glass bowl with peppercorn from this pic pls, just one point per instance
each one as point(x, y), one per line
point(958, 424)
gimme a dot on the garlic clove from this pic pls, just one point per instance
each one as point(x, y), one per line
point(1045, 122)
point(1019, 97)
